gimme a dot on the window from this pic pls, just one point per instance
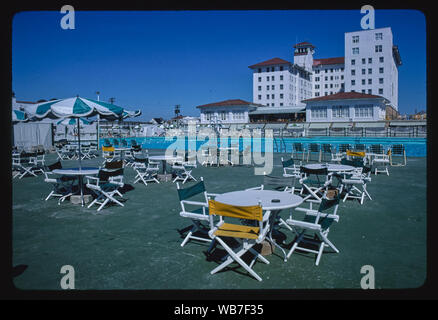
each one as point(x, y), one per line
point(325, 78)
point(272, 69)
point(340, 111)
point(272, 96)
point(272, 87)
point(260, 79)
point(380, 91)
point(363, 71)
point(370, 81)
point(238, 115)
point(379, 48)
point(370, 71)
point(363, 82)
point(370, 60)
point(281, 77)
point(272, 78)
point(223, 115)
point(260, 97)
point(316, 94)
point(267, 87)
point(331, 85)
point(379, 36)
point(267, 96)
point(208, 116)
point(355, 39)
point(316, 86)
point(281, 104)
point(370, 91)
point(353, 62)
point(281, 96)
point(331, 70)
point(267, 78)
point(380, 59)
point(318, 112)
point(363, 111)
point(281, 69)
point(363, 90)
point(316, 78)
point(363, 60)
point(356, 51)
point(331, 78)
point(260, 70)
point(260, 88)
point(326, 86)
point(353, 82)
point(380, 80)
point(380, 70)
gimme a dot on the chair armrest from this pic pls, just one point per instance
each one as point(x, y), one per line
point(195, 203)
point(255, 188)
point(96, 179)
point(213, 194)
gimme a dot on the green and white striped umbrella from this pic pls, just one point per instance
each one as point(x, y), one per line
point(72, 122)
point(19, 116)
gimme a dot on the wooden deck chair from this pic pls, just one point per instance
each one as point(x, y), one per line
point(314, 148)
point(145, 172)
point(198, 212)
point(290, 168)
point(397, 153)
point(298, 149)
point(315, 182)
point(317, 223)
point(105, 186)
point(247, 236)
point(63, 186)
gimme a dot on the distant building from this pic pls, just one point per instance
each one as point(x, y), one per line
point(227, 111)
point(346, 107)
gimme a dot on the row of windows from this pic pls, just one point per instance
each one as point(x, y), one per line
point(271, 69)
point(370, 91)
point(370, 60)
point(223, 115)
point(364, 71)
point(377, 36)
point(331, 78)
point(360, 111)
point(331, 70)
point(272, 87)
point(336, 85)
point(377, 48)
point(272, 96)
point(267, 78)
point(273, 104)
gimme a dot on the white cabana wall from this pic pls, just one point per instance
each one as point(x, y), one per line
point(27, 135)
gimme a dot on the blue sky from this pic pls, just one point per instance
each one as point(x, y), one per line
point(153, 60)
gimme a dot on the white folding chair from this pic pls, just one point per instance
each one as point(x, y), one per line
point(63, 187)
point(105, 186)
point(145, 171)
point(290, 168)
point(245, 235)
point(315, 182)
point(380, 163)
point(182, 173)
point(352, 180)
point(23, 167)
point(199, 209)
point(317, 223)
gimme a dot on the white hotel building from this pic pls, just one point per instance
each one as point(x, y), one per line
point(282, 89)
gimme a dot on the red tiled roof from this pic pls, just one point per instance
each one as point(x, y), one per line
point(24, 102)
point(231, 102)
point(338, 60)
point(304, 44)
point(270, 62)
point(345, 96)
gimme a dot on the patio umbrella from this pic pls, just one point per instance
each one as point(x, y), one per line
point(72, 122)
point(19, 116)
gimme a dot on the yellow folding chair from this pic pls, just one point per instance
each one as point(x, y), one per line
point(247, 236)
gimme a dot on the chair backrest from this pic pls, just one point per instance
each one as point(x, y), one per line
point(241, 212)
point(344, 147)
point(278, 182)
point(114, 164)
point(317, 172)
point(191, 191)
point(104, 174)
point(326, 148)
point(107, 149)
point(376, 148)
point(355, 153)
point(397, 149)
point(54, 166)
point(287, 163)
point(326, 204)
point(314, 147)
point(298, 146)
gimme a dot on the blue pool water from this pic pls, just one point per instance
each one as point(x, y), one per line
point(415, 147)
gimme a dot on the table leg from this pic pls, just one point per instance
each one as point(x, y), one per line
point(274, 217)
point(81, 188)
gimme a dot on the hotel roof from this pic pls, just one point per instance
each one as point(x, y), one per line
point(304, 44)
point(230, 102)
point(328, 61)
point(270, 62)
point(345, 96)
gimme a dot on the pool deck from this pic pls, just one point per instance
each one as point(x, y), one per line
point(138, 246)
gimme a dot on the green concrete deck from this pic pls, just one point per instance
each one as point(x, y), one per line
point(138, 246)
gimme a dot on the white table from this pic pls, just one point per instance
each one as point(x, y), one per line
point(164, 159)
point(265, 197)
point(332, 167)
point(80, 173)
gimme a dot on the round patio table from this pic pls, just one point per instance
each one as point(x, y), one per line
point(164, 159)
point(333, 167)
point(282, 200)
point(80, 173)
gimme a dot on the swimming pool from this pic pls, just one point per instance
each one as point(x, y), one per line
point(415, 147)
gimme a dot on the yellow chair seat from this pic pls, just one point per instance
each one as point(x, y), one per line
point(237, 231)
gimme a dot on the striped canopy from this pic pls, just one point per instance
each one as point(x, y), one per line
point(77, 107)
point(19, 116)
point(73, 122)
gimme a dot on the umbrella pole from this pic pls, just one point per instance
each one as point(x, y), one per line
point(80, 163)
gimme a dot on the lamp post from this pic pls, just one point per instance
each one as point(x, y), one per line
point(98, 122)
